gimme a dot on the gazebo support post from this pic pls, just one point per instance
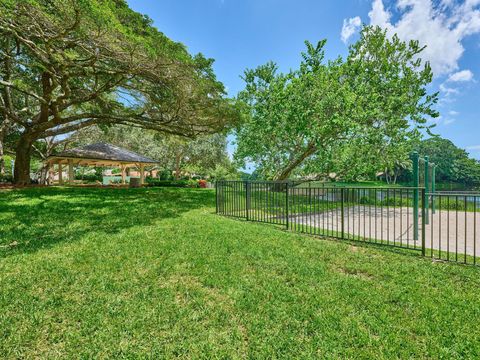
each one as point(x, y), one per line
point(142, 174)
point(51, 173)
point(70, 172)
point(123, 174)
point(60, 173)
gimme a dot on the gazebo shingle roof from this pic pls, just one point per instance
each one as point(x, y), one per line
point(104, 151)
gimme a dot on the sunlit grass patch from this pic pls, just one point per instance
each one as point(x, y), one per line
point(102, 273)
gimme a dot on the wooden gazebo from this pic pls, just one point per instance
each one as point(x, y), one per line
point(100, 155)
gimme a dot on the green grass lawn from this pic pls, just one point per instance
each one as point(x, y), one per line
point(136, 273)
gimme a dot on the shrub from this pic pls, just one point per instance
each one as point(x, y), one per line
point(167, 183)
point(6, 179)
point(365, 200)
point(165, 175)
point(171, 183)
point(89, 177)
point(192, 183)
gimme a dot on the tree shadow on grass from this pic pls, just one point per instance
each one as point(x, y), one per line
point(37, 218)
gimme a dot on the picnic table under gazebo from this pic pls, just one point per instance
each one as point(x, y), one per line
point(99, 155)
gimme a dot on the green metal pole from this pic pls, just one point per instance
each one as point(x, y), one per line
point(433, 188)
point(415, 195)
point(426, 190)
point(342, 192)
point(424, 217)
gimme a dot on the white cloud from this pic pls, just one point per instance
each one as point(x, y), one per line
point(379, 16)
point(447, 3)
point(435, 121)
point(441, 121)
point(350, 27)
point(457, 77)
point(464, 75)
point(473, 147)
point(453, 113)
point(441, 26)
point(448, 90)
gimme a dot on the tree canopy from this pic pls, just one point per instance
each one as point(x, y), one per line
point(309, 119)
point(452, 163)
point(66, 65)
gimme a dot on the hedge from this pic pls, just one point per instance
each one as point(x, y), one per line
point(172, 183)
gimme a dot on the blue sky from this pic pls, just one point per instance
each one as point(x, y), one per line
point(242, 34)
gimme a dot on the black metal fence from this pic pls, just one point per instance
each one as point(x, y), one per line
point(451, 226)
point(441, 225)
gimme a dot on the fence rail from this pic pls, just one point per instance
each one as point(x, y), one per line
point(440, 225)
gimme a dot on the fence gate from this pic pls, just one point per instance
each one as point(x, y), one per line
point(260, 201)
point(440, 225)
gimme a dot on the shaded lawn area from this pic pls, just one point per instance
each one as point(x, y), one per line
point(101, 273)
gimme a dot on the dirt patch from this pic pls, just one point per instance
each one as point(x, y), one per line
point(355, 249)
point(11, 245)
point(355, 273)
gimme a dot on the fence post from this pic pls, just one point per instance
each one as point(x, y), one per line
point(426, 189)
point(216, 197)
point(423, 220)
point(415, 195)
point(433, 188)
point(286, 205)
point(247, 199)
point(342, 199)
point(309, 193)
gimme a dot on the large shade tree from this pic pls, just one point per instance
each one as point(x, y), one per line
point(302, 121)
point(65, 65)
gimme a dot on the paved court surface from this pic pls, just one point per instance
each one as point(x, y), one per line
point(447, 230)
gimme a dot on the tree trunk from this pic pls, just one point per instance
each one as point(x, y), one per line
point(23, 151)
point(44, 171)
point(296, 162)
point(2, 159)
point(387, 176)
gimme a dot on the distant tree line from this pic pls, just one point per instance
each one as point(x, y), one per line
point(453, 164)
